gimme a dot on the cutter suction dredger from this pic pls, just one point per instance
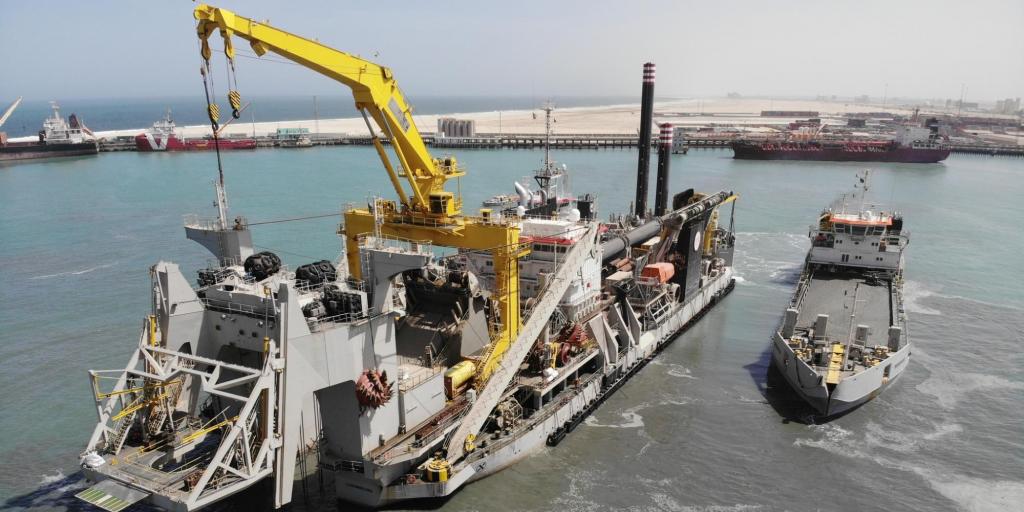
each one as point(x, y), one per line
point(382, 383)
point(401, 371)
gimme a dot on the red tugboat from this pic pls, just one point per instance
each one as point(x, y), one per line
point(913, 144)
point(161, 137)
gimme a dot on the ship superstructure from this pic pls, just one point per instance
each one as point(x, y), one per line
point(843, 339)
point(405, 370)
point(59, 137)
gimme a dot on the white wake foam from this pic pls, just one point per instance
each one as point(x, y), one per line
point(913, 292)
point(52, 479)
point(74, 272)
point(969, 493)
point(631, 419)
point(680, 371)
point(948, 388)
point(976, 494)
point(899, 441)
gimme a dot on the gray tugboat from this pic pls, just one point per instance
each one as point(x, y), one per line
point(843, 339)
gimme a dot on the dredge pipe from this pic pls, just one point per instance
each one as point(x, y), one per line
point(615, 247)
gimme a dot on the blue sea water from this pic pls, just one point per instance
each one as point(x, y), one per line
point(696, 430)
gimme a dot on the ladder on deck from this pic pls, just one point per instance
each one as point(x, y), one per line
point(508, 367)
point(121, 433)
point(158, 415)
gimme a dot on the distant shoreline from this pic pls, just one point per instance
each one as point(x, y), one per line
point(607, 119)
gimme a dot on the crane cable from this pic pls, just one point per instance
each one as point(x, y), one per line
point(213, 112)
point(234, 97)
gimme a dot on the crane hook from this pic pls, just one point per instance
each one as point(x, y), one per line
point(236, 103)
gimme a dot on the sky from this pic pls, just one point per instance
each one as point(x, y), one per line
point(786, 48)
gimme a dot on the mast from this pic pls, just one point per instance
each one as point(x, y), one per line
point(865, 184)
point(548, 107)
point(316, 117)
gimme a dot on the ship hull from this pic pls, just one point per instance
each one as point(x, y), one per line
point(34, 150)
point(147, 142)
point(898, 155)
point(552, 426)
point(850, 393)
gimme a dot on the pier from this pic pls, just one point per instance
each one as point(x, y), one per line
point(572, 141)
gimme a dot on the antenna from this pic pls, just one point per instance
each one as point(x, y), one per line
point(865, 180)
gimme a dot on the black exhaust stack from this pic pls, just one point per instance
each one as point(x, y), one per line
point(664, 154)
point(646, 115)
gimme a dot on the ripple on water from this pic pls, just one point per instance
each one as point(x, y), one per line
point(630, 417)
point(949, 388)
point(969, 493)
point(913, 293)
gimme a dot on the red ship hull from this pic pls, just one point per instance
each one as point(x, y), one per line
point(850, 152)
point(150, 142)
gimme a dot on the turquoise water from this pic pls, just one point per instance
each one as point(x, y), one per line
point(696, 429)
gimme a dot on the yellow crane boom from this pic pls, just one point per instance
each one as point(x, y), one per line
point(431, 213)
point(376, 94)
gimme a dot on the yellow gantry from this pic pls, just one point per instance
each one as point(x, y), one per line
point(430, 212)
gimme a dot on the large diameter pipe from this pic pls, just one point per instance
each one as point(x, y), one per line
point(643, 162)
point(613, 248)
point(664, 160)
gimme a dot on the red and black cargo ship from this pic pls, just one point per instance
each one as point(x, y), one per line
point(840, 151)
point(913, 144)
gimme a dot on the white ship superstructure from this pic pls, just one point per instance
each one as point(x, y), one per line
point(57, 130)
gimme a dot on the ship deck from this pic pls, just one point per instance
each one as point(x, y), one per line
point(842, 294)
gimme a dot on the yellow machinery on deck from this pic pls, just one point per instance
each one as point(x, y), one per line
point(430, 212)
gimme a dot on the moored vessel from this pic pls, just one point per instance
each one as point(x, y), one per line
point(843, 339)
point(293, 138)
point(162, 136)
point(59, 138)
point(912, 144)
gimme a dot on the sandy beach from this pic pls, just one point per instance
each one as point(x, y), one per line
point(610, 119)
point(727, 113)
